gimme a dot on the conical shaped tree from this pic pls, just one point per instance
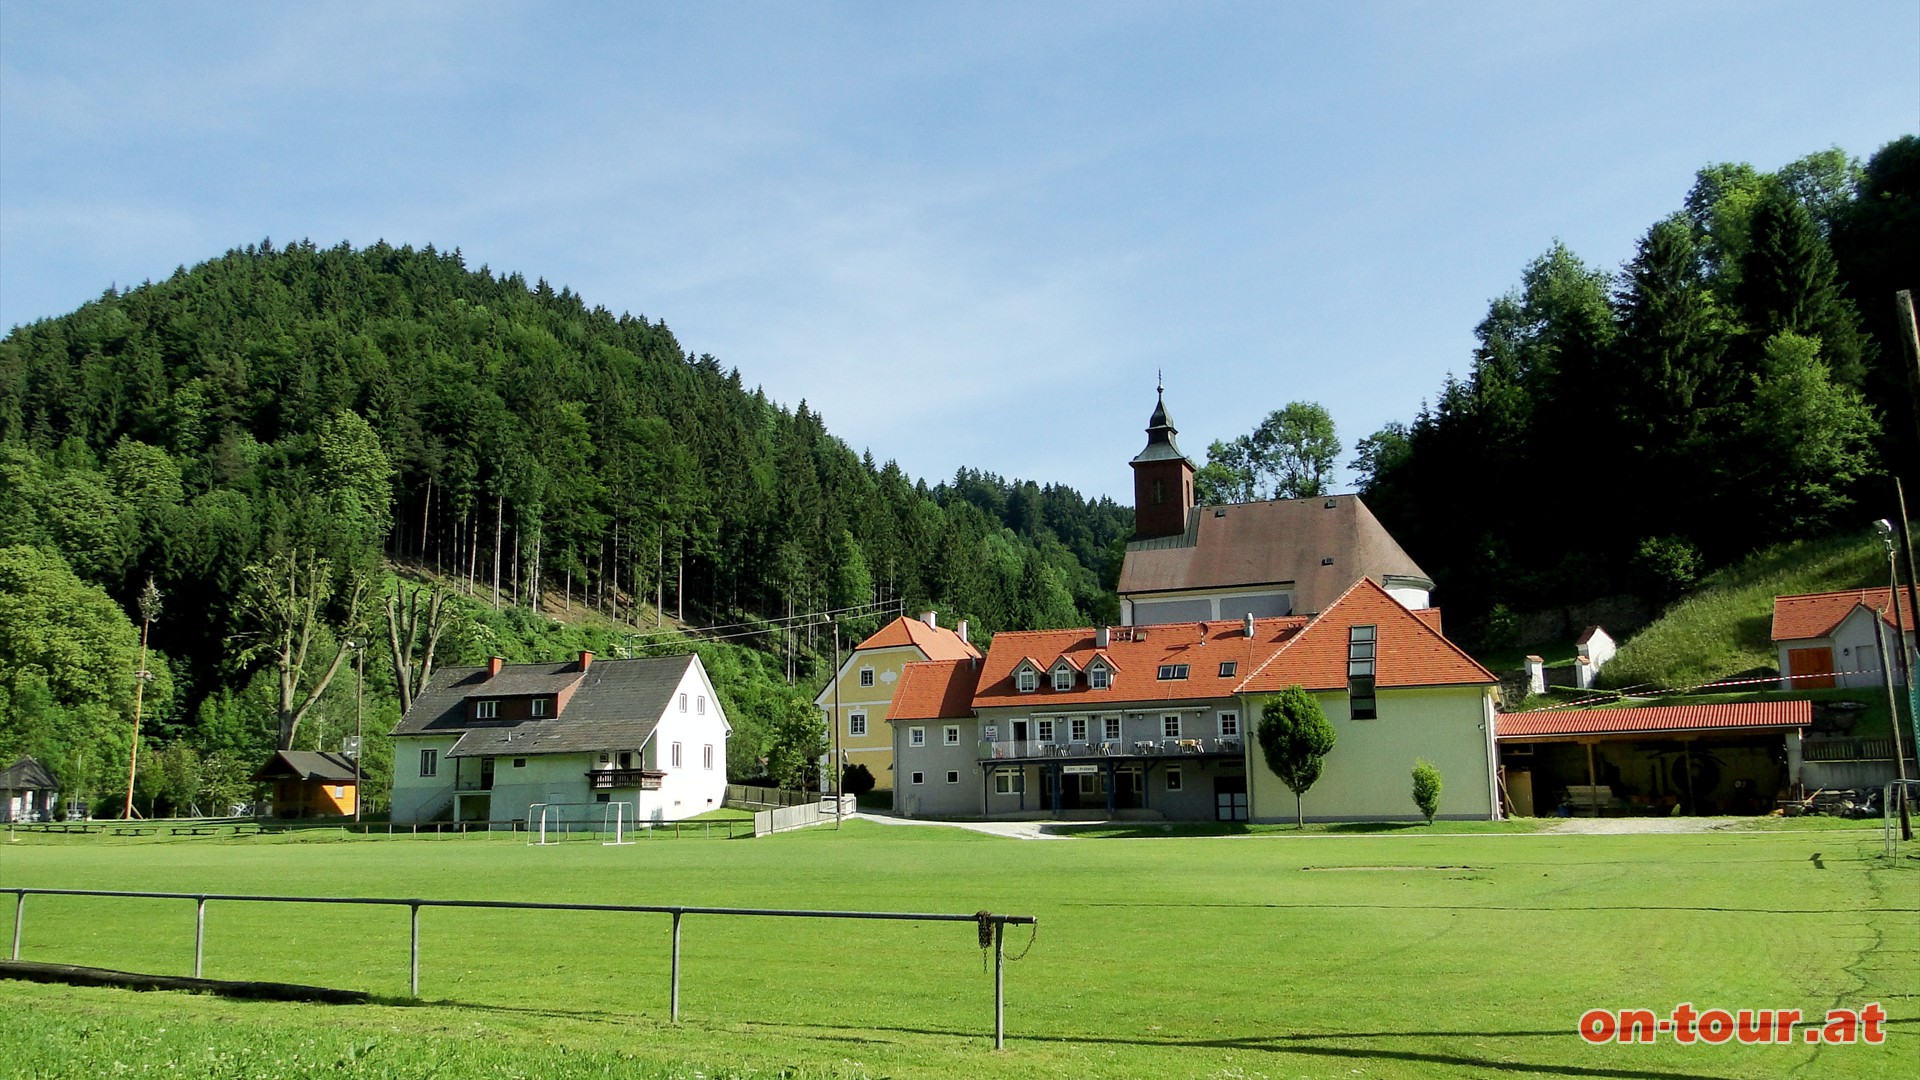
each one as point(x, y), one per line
point(1295, 737)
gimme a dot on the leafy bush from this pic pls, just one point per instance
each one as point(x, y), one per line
point(1426, 788)
point(856, 780)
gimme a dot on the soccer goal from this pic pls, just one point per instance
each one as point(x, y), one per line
point(614, 820)
point(555, 822)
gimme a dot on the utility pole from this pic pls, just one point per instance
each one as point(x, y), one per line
point(149, 611)
point(1885, 529)
point(839, 783)
point(359, 748)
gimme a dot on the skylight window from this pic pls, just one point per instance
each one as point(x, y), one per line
point(1173, 671)
point(1228, 668)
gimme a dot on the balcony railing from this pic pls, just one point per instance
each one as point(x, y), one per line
point(609, 779)
point(1031, 750)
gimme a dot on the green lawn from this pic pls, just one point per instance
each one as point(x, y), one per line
point(1398, 954)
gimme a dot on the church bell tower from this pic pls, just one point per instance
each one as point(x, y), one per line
point(1162, 479)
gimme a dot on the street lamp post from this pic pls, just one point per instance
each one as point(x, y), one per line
point(1885, 529)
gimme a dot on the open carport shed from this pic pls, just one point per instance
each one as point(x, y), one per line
point(1687, 759)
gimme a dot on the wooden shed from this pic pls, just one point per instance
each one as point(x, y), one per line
point(309, 783)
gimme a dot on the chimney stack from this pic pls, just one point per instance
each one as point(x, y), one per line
point(586, 659)
point(493, 665)
point(961, 629)
point(1101, 636)
point(932, 620)
point(1249, 624)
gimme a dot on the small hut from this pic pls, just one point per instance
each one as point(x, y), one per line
point(309, 783)
point(28, 792)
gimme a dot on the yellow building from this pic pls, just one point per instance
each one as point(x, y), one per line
point(868, 679)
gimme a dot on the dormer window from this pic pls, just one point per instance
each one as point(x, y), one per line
point(1099, 677)
point(1063, 678)
point(539, 706)
point(486, 710)
point(1026, 680)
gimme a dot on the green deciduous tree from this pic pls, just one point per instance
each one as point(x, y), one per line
point(1295, 739)
point(1426, 788)
point(796, 740)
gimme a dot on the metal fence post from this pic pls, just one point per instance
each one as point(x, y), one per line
point(673, 1000)
point(413, 962)
point(199, 932)
point(999, 986)
point(19, 917)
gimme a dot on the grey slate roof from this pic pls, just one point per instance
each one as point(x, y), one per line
point(615, 707)
point(306, 765)
point(27, 774)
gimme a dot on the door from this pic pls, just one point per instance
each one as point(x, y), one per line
point(1230, 798)
point(1810, 668)
point(1019, 739)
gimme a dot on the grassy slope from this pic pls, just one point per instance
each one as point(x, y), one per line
point(1390, 956)
point(1724, 627)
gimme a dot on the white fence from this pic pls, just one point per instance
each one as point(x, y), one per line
point(783, 818)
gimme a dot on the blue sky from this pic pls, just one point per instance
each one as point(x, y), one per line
point(968, 234)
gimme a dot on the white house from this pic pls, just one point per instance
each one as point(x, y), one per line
point(487, 743)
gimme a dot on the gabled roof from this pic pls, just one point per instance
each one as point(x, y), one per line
point(1270, 543)
point(1408, 651)
point(1657, 720)
point(27, 774)
point(935, 690)
point(935, 643)
point(306, 765)
point(1136, 655)
point(615, 706)
point(1816, 615)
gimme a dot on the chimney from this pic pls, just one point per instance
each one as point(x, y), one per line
point(586, 659)
point(932, 620)
point(493, 665)
point(1101, 636)
point(961, 629)
point(1249, 626)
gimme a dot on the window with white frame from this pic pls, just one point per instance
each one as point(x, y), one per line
point(1112, 724)
point(683, 703)
point(1229, 725)
point(486, 710)
point(1043, 730)
point(1009, 783)
point(866, 676)
point(916, 736)
point(953, 777)
point(919, 778)
point(951, 733)
point(1170, 726)
point(676, 755)
point(857, 724)
point(1098, 677)
point(706, 757)
point(1025, 680)
point(1077, 729)
point(429, 763)
point(1063, 678)
point(538, 706)
point(1174, 779)
point(700, 705)
point(1228, 667)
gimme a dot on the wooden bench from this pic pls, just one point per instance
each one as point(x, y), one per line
point(1590, 800)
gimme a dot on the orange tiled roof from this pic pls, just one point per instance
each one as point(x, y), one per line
point(935, 690)
point(1410, 652)
point(1657, 720)
point(1135, 655)
point(1814, 615)
point(936, 644)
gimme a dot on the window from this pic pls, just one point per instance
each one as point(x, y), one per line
point(857, 724)
point(1229, 725)
point(538, 706)
point(1063, 678)
point(683, 703)
point(1228, 668)
point(1043, 730)
point(1361, 702)
point(919, 778)
point(429, 763)
point(1077, 729)
point(602, 797)
point(700, 705)
point(916, 736)
point(1173, 778)
point(1025, 680)
point(952, 734)
point(486, 710)
point(339, 792)
point(953, 777)
point(519, 763)
point(676, 755)
point(1173, 671)
point(706, 757)
point(1099, 677)
point(605, 757)
point(1092, 784)
point(866, 676)
point(1112, 728)
point(1170, 726)
point(1009, 783)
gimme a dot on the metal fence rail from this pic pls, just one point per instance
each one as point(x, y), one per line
point(989, 924)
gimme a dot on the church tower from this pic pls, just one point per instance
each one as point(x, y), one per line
point(1162, 479)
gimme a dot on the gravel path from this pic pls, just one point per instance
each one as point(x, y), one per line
point(1019, 830)
point(1624, 825)
point(1043, 830)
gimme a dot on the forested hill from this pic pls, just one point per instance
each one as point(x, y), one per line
point(392, 403)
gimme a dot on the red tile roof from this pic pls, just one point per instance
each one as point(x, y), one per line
point(1657, 720)
point(1410, 652)
point(1814, 615)
point(935, 690)
point(1135, 654)
point(935, 643)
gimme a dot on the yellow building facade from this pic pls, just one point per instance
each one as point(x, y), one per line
point(866, 683)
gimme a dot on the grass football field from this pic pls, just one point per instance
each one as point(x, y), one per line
point(1398, 954)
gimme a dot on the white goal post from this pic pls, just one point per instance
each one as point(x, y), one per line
point(550, 822)
point(614, 821)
